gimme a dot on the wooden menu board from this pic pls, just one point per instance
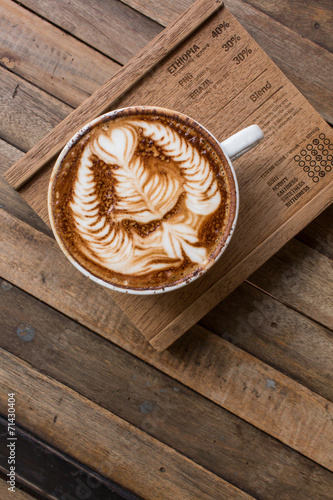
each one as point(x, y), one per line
point(219, 76)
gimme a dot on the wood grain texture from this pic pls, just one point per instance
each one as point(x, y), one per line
point(294, 272)
point(112, 90)
point(116, 448)
point(18, 494)
point(110, 27)
point(156, 403)
point(278, 335)
point(26, 112)
point(50, 58)
point(43, 470)
point(306, 64)
point(312, 20)
point(201, 360)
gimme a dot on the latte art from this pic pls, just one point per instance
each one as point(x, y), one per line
point(142, 201)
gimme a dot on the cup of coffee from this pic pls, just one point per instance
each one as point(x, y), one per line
point(144, 200)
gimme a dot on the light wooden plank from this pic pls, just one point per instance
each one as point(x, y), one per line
point(306, 64)
point(110, 27)
point(155, 402)
point(276, 334)
point(112, 90)
point(50, 58)
point(18, 494)
point(204, 362)
point(102, 440)
point(300, 277)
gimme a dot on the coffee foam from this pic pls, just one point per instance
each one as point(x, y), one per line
point(164, 192)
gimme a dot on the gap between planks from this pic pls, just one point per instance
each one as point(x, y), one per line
point(156, 403)
point(117, 449)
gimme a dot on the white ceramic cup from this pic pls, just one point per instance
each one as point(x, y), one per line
point(232, 148)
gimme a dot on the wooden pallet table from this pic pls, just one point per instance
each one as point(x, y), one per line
point(240, 405)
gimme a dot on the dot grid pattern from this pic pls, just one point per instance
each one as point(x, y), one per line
point(316, 158)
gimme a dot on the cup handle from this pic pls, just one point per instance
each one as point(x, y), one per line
point(241, 142)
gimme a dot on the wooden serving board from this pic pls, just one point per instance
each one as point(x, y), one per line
point(207, 66)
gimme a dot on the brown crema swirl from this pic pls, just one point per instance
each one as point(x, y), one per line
point(143, 200)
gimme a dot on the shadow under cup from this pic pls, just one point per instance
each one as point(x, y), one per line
point(143, 200)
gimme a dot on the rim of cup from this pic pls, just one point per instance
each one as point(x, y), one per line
point(234, 210)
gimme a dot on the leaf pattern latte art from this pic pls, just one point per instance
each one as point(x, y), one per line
point(142, 196)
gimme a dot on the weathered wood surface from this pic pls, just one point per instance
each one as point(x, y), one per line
point(202, 361)
point(284, 337)
point(300, 282)
point(117, 449)
point(276, 334)
point(110, 27)
point(43, 470)
point(154, 402)
point(312, 20)
point(50, 58)
point(18, 494)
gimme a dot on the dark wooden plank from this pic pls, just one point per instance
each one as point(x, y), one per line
point(276, 334)
point(110, 27)
point(50, 58)
point(306, 64)
point(58, 475)
point(154, 402)
point(201, 360)
point(319, 234)
point(103, 441)
point(299, 277)
point(311, 19)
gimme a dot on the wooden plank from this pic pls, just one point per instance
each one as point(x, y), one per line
point(50, 58)
point(201, 360)
point(306, 64)
point(299, 276)
point(10, 200)
point(26, 112)
point(113, 447)
point(311, 19)
point(154, 402)
point(58, 475)
point(276, 334)
point(319, 234)
point(110, 27)
point(19, 494)
point(112, 90)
